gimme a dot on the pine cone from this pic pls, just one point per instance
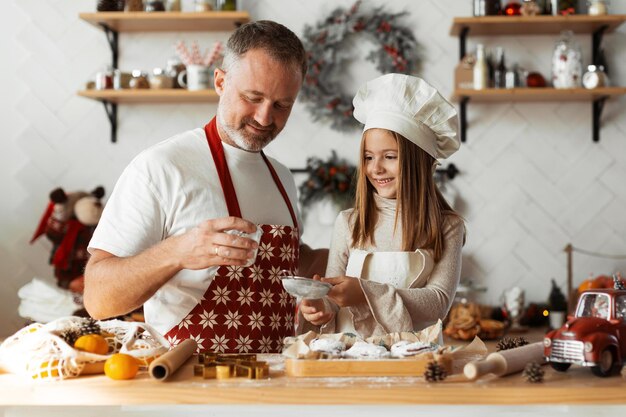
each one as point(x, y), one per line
point(70, 336)
point(89, 326)
point(435, 372)
point(511, 342)
point(533, 372)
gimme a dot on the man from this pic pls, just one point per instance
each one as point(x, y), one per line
point(162, 241)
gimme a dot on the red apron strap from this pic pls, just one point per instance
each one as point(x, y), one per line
point(279, 184)
point(217, 150)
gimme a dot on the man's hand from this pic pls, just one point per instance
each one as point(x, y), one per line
point(346, 291)
point(208, 245)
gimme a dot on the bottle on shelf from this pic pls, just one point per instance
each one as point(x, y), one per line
point(499, 74)
point(481, 80)
point(227, 5)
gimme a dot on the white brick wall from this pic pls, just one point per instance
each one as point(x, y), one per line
point(531, 180)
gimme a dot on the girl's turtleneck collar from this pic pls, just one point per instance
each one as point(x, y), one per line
point(385, 204)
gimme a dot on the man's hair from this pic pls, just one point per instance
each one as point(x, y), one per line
point(279, 42)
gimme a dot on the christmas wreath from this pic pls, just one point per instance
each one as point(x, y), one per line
point(398, 52)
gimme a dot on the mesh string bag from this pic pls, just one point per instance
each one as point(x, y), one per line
point(39, 351)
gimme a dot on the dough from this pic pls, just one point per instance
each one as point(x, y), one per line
point(404, 348)
point(364, 350)
point(334, 347)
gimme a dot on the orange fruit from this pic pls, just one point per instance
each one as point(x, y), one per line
point(603, 281)
point(121, 366)
point(92, 343)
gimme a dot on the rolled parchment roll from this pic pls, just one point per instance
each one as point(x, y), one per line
point(166, 365)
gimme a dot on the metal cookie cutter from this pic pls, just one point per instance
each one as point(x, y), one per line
point(224, 366)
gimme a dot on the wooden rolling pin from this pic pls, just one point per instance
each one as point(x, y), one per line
point(505, 362)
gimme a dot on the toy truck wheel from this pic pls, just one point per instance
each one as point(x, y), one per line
point(560, 367)
point(605, 364)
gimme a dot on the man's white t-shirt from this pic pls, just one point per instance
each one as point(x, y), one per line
point(169, 189)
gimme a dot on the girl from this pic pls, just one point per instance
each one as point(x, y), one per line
point(395, 259)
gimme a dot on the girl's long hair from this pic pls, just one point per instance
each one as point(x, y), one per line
point(420, 205)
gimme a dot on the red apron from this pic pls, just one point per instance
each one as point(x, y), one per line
point(246, 309)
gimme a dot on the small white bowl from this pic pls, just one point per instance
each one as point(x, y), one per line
point(305, 287)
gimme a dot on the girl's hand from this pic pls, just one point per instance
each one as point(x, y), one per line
point(317, 312)
point(346, 291)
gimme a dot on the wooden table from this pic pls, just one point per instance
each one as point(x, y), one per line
point(573, 388)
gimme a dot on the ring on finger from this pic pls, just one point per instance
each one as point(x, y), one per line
point(216, 250)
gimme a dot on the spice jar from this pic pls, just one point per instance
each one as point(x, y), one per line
point(139, 80)
point(203, 5)
point(160, 80)
point(110, 5)
point(154, 6)
point(174, 67)
point(134, 5)
point(598, 7)
point(567, 68)
point(104, 79)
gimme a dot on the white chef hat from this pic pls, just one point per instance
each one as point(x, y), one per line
point(411, 107)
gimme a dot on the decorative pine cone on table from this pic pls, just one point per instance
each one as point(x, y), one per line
point(435, 372)
point(533, 372)
point(70, 336)
point(510, 342)
point(89, 326)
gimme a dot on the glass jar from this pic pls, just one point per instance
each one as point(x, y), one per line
point(110, 5)
point(104, 79)
point(121, 80)
point(531, 8)
point(134, 6)
point(174, 67)
point(567, 67)
point(563, 7)
point(173, 6)
point(598, 7)
point(139, 80)
point(203, 5)
point(160, 80)
point(154, 6)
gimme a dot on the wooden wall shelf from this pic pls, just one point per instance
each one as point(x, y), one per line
point(597, 26)
point(167, 21)
point(151, 96)
point(112, 23)
point(492, 95)
point(534, 25)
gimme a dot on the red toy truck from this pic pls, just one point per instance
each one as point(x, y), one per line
point(595, 336)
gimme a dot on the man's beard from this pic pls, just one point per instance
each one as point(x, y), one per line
point(244, 139)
